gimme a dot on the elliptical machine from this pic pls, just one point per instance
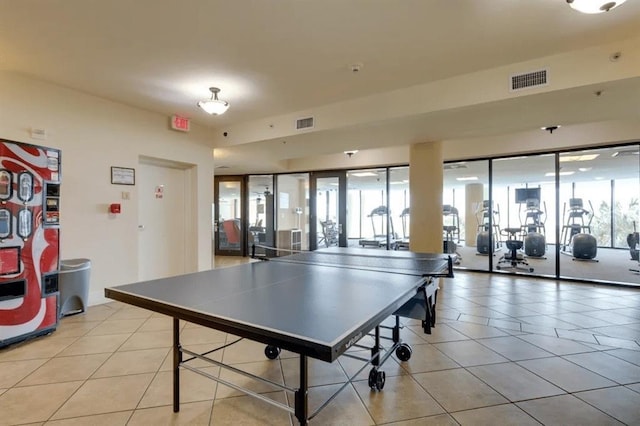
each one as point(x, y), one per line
point(576, 233)
point(633, 240)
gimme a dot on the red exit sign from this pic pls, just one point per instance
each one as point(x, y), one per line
point(182, 124)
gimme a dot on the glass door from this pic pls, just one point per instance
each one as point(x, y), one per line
point(328, 205)
point(228, 222)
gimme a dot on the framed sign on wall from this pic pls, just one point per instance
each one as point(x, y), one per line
point(123, 176)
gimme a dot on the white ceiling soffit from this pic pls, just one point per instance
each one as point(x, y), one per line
point(618, 100)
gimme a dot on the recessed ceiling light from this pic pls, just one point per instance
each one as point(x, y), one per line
point(559, 174)
point(585, 169)
point(467, 178)
point(585, 157)
point(363, 174)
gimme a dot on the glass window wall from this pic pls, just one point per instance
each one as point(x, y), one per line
point(466, 214)
point(292, 211)
point(524, 188)
point(230, 227)
point(599, 190)
point(399, 201)
point(587, 229)
point(370, 222)
point(261, 209)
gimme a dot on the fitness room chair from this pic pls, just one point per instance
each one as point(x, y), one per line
point(514, 256)
point(576, 234)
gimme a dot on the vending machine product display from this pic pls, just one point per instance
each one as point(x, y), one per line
point(29, 240)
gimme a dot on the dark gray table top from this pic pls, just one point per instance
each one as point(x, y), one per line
point(317, 310)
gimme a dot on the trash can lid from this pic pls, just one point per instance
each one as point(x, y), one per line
point(75, 263)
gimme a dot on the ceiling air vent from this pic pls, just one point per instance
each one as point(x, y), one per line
point(528, 80)
point(304, 123)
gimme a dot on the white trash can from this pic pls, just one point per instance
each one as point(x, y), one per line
point(73, 283)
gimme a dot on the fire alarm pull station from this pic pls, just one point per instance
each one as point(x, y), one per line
point(114, 208)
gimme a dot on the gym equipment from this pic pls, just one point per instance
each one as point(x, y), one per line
point(576, 233)
point(451, 231)
point(633, 240)
point(534, 245)
point(329, 233)
point(532, 221)
point(482, 240)
point(534, 216)
point(575, 221)
point(483, 243)
point(404, 218)
point(382, 215)
point(451, 218)
point(514, 257)
point(584, 247)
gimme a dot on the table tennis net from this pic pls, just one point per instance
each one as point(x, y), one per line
point(415, 265)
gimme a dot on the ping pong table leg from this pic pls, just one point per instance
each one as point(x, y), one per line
point(177, 359)
point(301, 407)
point(426, 323)
point(375, 349)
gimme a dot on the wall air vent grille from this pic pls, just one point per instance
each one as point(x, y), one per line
point(530, 79)
point(304, 123)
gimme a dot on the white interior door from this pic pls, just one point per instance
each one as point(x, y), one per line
point(162, 221)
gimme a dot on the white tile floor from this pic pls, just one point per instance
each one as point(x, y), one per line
point(505, 350)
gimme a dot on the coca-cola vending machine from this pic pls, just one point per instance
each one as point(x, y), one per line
point(29, 240)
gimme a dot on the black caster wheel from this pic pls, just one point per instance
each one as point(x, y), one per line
point(530, 269)
point(376, 379)
point(403, 352)
point(271, 351)
point(498, 267)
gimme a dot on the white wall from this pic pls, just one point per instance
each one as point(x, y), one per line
point(95, 134)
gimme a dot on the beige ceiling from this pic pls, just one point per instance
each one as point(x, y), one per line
point(277, 57)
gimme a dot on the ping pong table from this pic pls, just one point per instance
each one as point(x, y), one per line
point(316, 304)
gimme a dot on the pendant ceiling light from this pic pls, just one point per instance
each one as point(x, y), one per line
point(214, 105)
point(594, 6)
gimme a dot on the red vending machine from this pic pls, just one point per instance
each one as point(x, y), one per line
point(29, 240)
